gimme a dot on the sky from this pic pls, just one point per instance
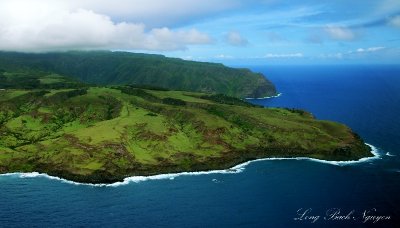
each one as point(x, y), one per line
point(234, 32)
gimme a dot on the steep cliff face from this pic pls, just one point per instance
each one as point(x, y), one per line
point(113, 68)
point(265, 88)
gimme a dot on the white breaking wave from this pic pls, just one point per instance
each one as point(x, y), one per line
point(390, 155)
point(260, 98)
point(236, 169)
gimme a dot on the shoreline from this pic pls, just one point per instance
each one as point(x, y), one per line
point(260, 98)
point(233, 170)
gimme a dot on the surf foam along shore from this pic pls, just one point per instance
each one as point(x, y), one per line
point(236, 169)
point(260, 98)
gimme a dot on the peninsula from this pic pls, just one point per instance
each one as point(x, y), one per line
point(103, 133)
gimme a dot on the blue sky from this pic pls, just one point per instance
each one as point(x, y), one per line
point(228, 31)
point(305, 32)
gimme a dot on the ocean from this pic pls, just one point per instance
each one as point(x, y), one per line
point(269, 193)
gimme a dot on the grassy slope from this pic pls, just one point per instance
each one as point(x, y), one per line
point(33, 79)
point(104, 135)
point(112, 68)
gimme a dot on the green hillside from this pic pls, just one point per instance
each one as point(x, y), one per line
point(103, 134)
point(33, 79)
point(116, 68)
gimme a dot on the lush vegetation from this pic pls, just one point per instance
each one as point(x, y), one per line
point(103, 134)
point(224, 99)
point(33, 79)
point(116, 68)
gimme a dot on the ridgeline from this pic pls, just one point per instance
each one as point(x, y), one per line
point(117, 68)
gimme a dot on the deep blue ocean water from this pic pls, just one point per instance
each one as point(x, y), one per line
point(266, 193)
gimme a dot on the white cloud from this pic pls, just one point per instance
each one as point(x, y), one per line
point(395, 21)
point(339, 32)
point(42, 25)
point(222, 56)
point(371, 49)
point(353, 53)
point(290, 55)
point(235, 39)
point(157, 13)
point(166, 39)
point(375, 48)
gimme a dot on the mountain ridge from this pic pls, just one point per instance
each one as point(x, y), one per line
point(116, 68)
